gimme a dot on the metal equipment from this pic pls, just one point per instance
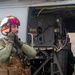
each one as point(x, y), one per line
point(47, 33)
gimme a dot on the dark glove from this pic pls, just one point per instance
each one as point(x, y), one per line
point(11, 37)
point(17, 41)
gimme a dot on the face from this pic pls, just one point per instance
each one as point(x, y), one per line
point(14, 29)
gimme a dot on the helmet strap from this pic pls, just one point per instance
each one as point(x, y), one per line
point(10, 29)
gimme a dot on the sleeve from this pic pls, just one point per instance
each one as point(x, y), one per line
point(5, 51)
point(29, 51)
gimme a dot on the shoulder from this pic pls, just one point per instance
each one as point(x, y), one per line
point(2, 44)
point(2, 41)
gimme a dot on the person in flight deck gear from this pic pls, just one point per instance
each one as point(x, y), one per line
point(12, 49)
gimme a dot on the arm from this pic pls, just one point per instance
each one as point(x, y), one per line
point(6, 47)
point(5, 51)
point(29, 51)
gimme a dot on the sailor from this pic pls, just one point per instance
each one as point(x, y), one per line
point(12, 49)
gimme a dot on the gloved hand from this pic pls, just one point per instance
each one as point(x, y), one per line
point(11, 37)
point(17, 41)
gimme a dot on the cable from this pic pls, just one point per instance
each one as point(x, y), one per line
point(58, 49)
point(55, 7)
point(43, 31)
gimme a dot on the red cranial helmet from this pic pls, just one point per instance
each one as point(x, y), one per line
point(6, 24)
